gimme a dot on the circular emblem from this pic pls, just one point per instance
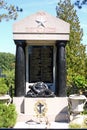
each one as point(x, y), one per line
point(40, 108)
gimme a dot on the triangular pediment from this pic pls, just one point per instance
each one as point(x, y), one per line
point(41, 22)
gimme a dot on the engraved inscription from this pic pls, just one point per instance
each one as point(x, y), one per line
point(41, 64)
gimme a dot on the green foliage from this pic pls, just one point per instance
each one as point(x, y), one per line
point(85, 121)
point(3, 87)
point(80, 3)
point(78, 83)
point(7, 61)
point(9, 80)
point(7, 64)
point(8, 116)
point(74, 125)
point(84, 112)
point(75, 50)
point(86, 67)
point(8, 11)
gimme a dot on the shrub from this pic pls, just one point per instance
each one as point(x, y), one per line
point(3, 87)
point(8, 116)
point(78, 85)
point(80, 82)
point(74, 125)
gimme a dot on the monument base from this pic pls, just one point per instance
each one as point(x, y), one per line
point(54, 109)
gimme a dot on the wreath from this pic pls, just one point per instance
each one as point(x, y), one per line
point(40, 108)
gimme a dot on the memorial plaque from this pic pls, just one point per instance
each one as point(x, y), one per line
point(41, 64)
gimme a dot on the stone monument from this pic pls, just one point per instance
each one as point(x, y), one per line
point(40, 58)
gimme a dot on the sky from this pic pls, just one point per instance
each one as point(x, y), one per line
point(30, 7)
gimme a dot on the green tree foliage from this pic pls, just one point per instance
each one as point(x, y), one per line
point(80, 3)
point(86, 67)
point(75, 51)
point(7, 61)
point(3, 87)
point(78, 85)
point(8, 11)
point(7, 64)
point(9, 81)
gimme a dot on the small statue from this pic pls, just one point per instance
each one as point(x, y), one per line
point(39, 89)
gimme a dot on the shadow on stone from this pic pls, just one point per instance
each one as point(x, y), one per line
point(63, 116)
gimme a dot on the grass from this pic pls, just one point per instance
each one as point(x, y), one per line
point(75, 125)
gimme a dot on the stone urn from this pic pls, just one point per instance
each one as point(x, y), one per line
point(6, 99)
point(76, 103)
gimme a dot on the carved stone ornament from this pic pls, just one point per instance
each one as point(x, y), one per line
point(40, 108)
point(41, 19)
point(39, 89)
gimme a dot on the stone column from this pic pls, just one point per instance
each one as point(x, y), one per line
point(20, 69)
point(60, 69)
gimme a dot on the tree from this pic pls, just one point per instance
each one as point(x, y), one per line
point(75, 51)
point(80, 3)
point(9, 81)
point(11, 12)
point(7, 65)
point(7, 61)
point(86, 67)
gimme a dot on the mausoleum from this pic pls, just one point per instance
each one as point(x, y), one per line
point(40, 57)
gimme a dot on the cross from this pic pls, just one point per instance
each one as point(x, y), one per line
point(40, 108)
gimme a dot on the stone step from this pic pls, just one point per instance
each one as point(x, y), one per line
point(62, 117)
